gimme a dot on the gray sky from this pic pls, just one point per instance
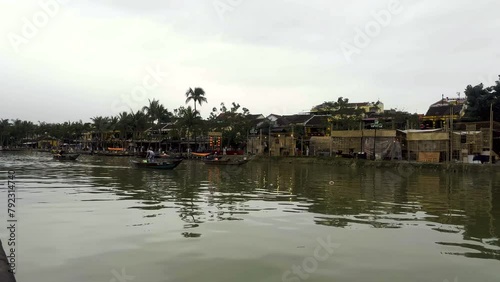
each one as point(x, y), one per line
point(86, 58)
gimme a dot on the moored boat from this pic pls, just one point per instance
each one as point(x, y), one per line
point(117, 149)
point(201, 154)
point(157, 165)
point(225, 161)
point(66, 157)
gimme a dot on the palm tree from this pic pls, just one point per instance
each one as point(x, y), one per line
point(139, 123)
point(156, 112)
point(124, 124)
point(188, 119)
point(113, 126)
point(153, 110)
point(100, 125)
point(197, 95)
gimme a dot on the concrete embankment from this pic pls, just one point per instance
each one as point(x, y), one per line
point(360, 163)
point(5, 274)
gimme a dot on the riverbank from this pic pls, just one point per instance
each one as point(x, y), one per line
point(360, 163)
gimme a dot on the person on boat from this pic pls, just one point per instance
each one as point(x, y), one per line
point(150, 155)
point(60, 153)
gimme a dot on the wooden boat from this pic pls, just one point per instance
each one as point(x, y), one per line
point(201, 154)
point(170, 156)
point(66, 157)
point(157, 165)
point(116, 149)
point(162, 156)
point(225, 161)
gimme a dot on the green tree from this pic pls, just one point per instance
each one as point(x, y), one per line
point(157, 112)
point(139, 123)
point(197, 96)
point(479, 99)
point(188, 118)
point(343, 116)
point(234, 123)
point(124, 125)
point(101, 125)
point(5, 130)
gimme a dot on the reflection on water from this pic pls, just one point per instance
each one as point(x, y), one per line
point(264, 194)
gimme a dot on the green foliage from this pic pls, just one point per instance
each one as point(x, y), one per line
point(197, 96)
point(233, 123)
point(188, 119)
point(343, 117)
point(156, 112)
point(479, 99)
point(396, 119)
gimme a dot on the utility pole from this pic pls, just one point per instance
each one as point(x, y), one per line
point(491, 133)
point(269, 141)
point(331, 139)
point(261, 145)
point(375, 125)
point(451, 131)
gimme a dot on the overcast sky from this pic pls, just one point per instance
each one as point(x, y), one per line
point(87, 58)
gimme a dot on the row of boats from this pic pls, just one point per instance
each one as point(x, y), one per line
point(166, 162)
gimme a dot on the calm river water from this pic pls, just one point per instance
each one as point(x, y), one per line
point(98, 219)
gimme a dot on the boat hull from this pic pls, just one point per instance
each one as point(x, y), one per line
point(201, 154)
point(157, 165)
point(66, 157)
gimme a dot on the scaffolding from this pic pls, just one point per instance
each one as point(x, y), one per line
point(426, 145)
point(346, 144)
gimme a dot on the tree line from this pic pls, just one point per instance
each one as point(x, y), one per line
point(185, 122)
point(233, 121)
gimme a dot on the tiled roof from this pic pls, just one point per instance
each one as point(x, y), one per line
point(318, 121)
point(443, 110)
point(256, 116)
point(446, 102)
point(296, 119)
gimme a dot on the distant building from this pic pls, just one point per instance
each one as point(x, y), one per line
point(368, 107)
point(439, 113)
point(286, 135)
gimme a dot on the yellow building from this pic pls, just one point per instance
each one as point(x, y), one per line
point(48, 143)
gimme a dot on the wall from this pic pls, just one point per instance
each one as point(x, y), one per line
point(280, 146)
